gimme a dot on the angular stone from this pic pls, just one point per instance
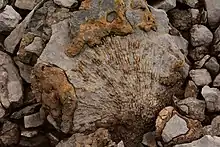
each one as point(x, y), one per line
point(9, 19)
point(36, 46)
point(195, 16)
point(10, 134)
point(191, 3)
point(198, 53)
point(33, 120)
point(200, 35)
point(191, 90)
point(205, 141)
point(121, 144)
point(166, 5)
point(216, 82)
point(66, 3)
point(201, 77)
point(213, 8)
point(26, 4)
point(53, 139)
point(200, 64)
point(193, 108)
point(25, 70)
point(212, 66)
point(212, 98)
point(29, 134)
point(214, 128)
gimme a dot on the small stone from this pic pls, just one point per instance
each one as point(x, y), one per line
point(25, 70)
point(213, 9)
point(33, 120)
point(180, 19)
point(212, 66)
point(66, 3)
point(29, 134)
point(26, 4)
point(176, 126)
point(9, 19)
point(205, 141)
point(36, 46)
point(195, 16)
point(214, 128)
point(193, 107)
point(166, 5)
point(216, 82)
point(198, 53)
point(3, 3)
point(25, 111)
point(201, 77)
point(191, 3)
point(200, 35)
point(149, 139)
point(9, 134)
point(199, 64)
point(191, 90)
point(121, 144)
point(212, 98)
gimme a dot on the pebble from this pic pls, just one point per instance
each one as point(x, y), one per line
point(29, 134)
point(198, 53)
point(216, 82)
point(201, 77)
point(199, 64)
point(166, 5)
point(212, 66)
point(66, 3)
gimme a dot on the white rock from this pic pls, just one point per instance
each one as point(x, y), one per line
point(213, 9)
point(9, 19)
point(200, 76)
point(212, 98)
point(200, 35)
point(66, 3)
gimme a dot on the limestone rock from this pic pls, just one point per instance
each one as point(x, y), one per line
point(66, 3)
point(200, 35)
point(105, 75)
point(212, 98)
point(9, 19)
point(205, 141)
point(201, 77)
point(176, 129)
point(213, 9)
point(196, 17)
point(11, 84)
point(26, 4)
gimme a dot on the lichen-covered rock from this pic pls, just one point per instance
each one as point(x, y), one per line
point(176, 129)
point(100, 138)
point(121, 83)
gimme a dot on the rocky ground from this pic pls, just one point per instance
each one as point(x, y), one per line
point(110, 73)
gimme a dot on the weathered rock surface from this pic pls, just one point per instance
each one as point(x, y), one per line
point(212, 98)
point(201, 77)
point(26, 4)
point(99, 138)
point(166, 5)
point(198, 53)
point(213, 8)
point(149, 139)
point(9, 19)
point(191, 90)
point(191, 3)
point(200, 35)
point(176, 129)
point(205, 141)
point(3, 3)
point(213, 129)
point(200, 64)
point(11, 85)
point(33, 120)
point(105, 76)
point(212, 66)
point(25, 70)
point(216, 82)
point(66, 3)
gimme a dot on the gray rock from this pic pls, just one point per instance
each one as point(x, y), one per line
point(10, 81)
point(25, 111)
point(2, 111)
point(212, 98)
point(182, 44)
point(174, 127)
point(29, 134)
point(3, 3)
point(180, 19)
point(214, 128)
point(191, 3)
point(33, 120)
point(204, 17)
point(26, 4)
point(205, 141)
point(121, 144)
point(212, 66)
point(201, 77)
point(149, 139)
point(191, 90)
point(200, 35)
point(195, 16)
point(36, 46)
point(66, 3)
point(193, 107)
point(53, 139)
point(198, 53)
point(25, 70)
point(166, 5)
point(216, 82)
point(10, 134)
point(200, 64)
point(9, 19)
point(217, 35)
point(213, 9)
point(15, 36)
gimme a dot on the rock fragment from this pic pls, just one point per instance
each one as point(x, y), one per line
point(25, 70)
point(201, 77)
point(200, 64)
point(3, 3)
point(149, 139)
point(26, 4)
point(191, 90)
point(216, 82)
point(191, 3)
point(166, 5)
point(29, 134)
point(200, 35)
point(66, 3)
point(33, 120)
point(9, 19)
point(212, 66)
point(198, 53)
point(213, 129)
